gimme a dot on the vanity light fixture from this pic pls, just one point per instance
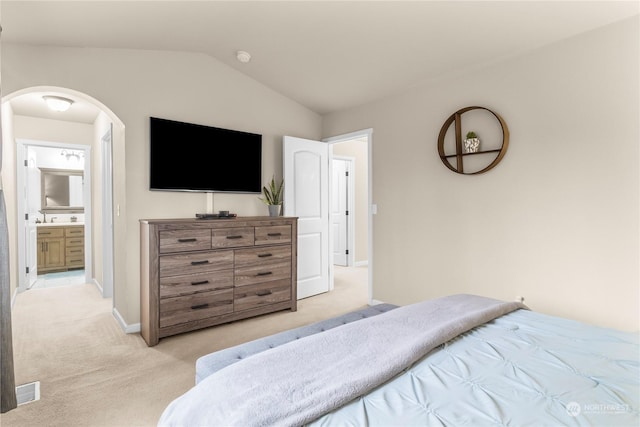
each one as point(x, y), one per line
point(71, 153)
point(57, 103)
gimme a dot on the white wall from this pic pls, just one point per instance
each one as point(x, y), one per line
point(180, 86)
point(52, 130)
point(557, 221)
point(49, 157)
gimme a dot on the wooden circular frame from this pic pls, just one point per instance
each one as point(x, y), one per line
point(457, 118)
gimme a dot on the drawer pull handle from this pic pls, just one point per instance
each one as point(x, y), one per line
point(234, 237)
point(266, 273)
point(42, 232)
point(76, 251)
point(264, 255)
point(188, 240)
point(202, 282)
point(274, 234)
point(206, 261)
point(199, 306)
point(263, 293)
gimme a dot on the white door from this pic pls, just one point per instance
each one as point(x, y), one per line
point(32, 196)
point(340, 210)
point(306, 196)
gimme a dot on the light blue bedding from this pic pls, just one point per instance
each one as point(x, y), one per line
point(522, 369)
point(518, 369)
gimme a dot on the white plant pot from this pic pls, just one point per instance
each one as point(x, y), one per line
point(471, 145)
point(274, 210)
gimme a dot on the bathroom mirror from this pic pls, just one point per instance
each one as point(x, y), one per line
point(62, 190)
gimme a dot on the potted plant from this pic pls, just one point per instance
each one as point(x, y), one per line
point(272, 196)
point(472, 143)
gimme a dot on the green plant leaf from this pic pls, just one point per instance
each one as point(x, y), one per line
point(272, 193)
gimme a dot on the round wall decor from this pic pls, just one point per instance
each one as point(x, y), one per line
point(484, 159)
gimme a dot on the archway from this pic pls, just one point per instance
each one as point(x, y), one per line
point(103, 229)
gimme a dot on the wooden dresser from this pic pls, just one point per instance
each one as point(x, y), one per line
point(198, 273)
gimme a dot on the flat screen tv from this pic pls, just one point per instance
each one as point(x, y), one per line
point(191, 157)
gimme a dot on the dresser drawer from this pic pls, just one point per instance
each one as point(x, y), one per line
point(195, 283)
point(252, 275)
point(74, 241)
point(74, 232)
point(232, 237)
point(253, 296)
point(50, 232)
point(174, 311)
point(74, 251)
point(193, 263)
point(75, 261)
point(262, 256)
point(184, 240)
point(271, 234)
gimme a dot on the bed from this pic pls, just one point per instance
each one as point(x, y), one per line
point(457, 360)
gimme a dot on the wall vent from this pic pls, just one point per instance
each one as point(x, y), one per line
point(27, 393)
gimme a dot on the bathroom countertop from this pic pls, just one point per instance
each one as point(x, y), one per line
point(59, 224)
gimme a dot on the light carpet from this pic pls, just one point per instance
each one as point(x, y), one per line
point(93, 374)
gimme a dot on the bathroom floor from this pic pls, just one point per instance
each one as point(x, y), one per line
point(62, 278)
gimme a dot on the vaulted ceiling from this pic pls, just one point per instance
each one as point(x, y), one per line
point(326, 55)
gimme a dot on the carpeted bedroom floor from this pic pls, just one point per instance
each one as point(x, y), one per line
point(92, 374)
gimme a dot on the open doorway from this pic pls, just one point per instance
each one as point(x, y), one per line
point(350, 194)
point(87, 131)
point(306, 170)
point(55, 208)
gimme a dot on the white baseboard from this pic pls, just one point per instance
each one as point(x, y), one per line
point(375, 302)
point(364, 263)
point(13, 299)
point(128, 329)
point(98, 285)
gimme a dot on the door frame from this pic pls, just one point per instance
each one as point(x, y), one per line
point(30, 228)
point(21, 146)
point(368, 133)
point(106, 147)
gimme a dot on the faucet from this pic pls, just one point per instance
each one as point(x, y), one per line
point(52, 218)
point(44, 214)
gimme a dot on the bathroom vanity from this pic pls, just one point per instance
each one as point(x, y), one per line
point(60, 247)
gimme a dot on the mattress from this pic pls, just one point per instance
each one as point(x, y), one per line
point(524, 368)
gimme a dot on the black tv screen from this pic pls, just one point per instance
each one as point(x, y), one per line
point(191, 157)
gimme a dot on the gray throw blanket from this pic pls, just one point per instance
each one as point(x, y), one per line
point(302, 380)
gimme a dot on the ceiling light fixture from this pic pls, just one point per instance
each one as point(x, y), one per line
point(243, 56)
point(57, 103)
